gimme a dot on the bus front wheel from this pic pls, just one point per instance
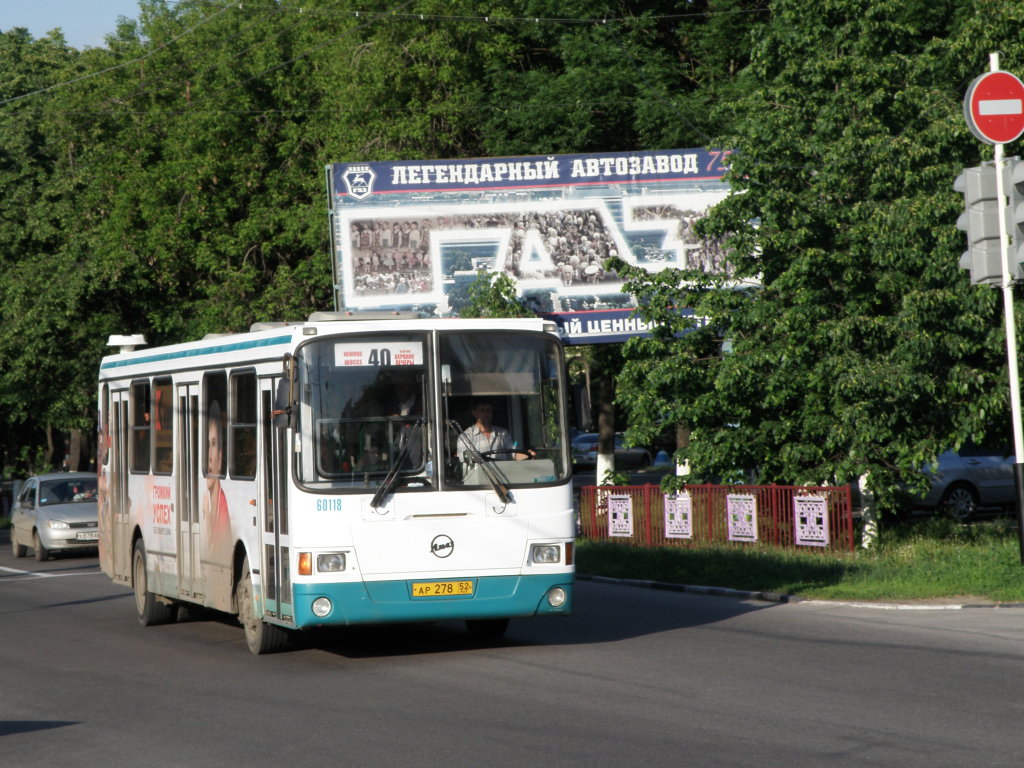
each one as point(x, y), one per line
point(151, 610)
point(259, 636)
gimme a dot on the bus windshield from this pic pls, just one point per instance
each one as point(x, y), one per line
point(500, 398)
point(365, 410)
point(376, 406)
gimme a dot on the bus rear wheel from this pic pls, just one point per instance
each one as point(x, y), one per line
point(151, 610)
point(259, 636)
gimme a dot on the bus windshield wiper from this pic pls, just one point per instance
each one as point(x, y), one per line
point(391, 478)
point(492, 474)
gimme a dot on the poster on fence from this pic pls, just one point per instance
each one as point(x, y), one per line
point(620, 515)
point(810, 521)
point(678, 516)
point(741, 509)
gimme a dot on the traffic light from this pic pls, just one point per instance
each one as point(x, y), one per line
point(980, 221)
point(1014, 188)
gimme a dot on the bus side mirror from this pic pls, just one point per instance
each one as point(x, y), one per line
point(582, 406)
point(281, 415)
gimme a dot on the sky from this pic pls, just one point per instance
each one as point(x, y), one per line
point(84, 22)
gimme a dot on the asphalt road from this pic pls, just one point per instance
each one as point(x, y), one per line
point(637, 677)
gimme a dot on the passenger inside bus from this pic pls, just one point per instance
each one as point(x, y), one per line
point(408, 402)
point(408, 399)
point(371, 460)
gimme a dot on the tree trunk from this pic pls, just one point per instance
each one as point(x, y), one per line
point(682, 440)
point(78, 451)
point(605, 427)
point(48, 458)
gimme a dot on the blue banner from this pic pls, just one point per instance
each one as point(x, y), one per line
point(356, 183)
point(606, 326)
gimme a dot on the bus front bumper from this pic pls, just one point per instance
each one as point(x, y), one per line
point(379, 602)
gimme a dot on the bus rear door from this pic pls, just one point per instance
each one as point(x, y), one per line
point(121, 529)
point(190, 572)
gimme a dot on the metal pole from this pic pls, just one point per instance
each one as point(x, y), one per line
point(1011, 339)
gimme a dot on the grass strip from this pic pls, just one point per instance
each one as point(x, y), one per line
point(933, 559)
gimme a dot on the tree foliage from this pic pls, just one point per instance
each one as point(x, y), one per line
point(865, 351)
point(494, 296)
point(171, 183)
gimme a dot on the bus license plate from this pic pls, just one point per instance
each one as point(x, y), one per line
point(87, 536)
point(441, 588)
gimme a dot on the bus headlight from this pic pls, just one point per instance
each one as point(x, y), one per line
point(321, 607)
point(331, 563)
point(556, 597)
point(548, 554)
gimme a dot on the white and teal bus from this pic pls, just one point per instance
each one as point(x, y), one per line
point(327, 473)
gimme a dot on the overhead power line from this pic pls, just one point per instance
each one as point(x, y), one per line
point(250, 6)
point(90, 75)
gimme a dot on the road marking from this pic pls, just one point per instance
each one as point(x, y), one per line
point(38, 575)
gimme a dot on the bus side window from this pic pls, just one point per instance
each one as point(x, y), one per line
point(140, 426)
point(103, 429)
point(215, 390)
point(242, 420)
point(163, 426)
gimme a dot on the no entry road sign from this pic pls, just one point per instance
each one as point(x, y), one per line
point(994, 107)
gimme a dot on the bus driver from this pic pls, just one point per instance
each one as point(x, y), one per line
point(490, 439)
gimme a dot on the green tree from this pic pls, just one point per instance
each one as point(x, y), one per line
point(172, 178)
point(493, 295)
point(599, 76)
point(865, 350)
point(30, 233)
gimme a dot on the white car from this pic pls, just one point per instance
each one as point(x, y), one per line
point(55, 512)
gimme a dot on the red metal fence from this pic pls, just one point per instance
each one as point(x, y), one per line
point(819, 517)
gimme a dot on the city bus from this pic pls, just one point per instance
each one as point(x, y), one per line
point(323, 474)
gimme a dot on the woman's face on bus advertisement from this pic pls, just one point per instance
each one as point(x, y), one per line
point(214, 456)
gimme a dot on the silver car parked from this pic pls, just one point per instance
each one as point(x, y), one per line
point(55, 512)
point(971, 479)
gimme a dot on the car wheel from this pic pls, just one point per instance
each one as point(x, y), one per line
point(960, 501)
point(259, 636)
point(150, 609)
point(42, 553)
point(18, 550)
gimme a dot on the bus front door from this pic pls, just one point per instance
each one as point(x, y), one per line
point(190, 573)
point(276, 578)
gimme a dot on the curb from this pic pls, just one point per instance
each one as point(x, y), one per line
point(693, 589)
point(780, 597)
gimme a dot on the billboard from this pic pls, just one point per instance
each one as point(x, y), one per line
point(414, 234)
